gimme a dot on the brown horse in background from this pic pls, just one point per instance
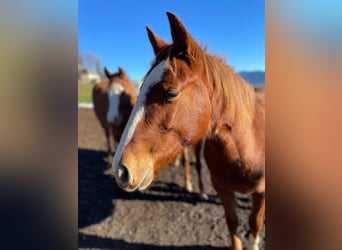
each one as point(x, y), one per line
point(113, 102)
point(186, 95)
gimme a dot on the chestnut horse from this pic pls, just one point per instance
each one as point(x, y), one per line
point(186, 95)
point(113, 102)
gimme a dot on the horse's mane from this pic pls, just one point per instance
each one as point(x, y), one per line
point(237, 96)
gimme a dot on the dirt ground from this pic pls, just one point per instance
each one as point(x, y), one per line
point(164, 217)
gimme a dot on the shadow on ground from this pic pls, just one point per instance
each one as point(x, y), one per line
point(92, 241)
point(97, 190)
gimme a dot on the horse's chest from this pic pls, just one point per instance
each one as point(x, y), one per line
point(230, 169)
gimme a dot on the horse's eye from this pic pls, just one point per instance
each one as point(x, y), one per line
point(170, 94)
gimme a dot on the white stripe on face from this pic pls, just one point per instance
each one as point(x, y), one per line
point(114, 93)
point(153, 78)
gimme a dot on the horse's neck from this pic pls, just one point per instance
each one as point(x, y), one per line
point(236, 138)
point(221, 118)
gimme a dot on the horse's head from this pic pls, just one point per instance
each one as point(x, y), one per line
point(172, 110)
point(120, 94)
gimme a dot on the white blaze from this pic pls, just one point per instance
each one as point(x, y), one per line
point(114, 100)
point(154, 77)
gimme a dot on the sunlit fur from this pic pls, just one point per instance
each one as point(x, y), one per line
point(237, 97)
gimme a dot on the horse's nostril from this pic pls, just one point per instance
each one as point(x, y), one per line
point(123, 176)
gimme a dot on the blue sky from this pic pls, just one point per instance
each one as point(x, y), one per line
point(115, 30)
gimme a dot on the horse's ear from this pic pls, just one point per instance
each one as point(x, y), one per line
point(108, 74)
point(156, 42)
point(180, 35)
point(121, 73)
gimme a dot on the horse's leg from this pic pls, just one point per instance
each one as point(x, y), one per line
point(107, 133)
point(198, 148)
point(229, 203)
point(187, 170)
point(106, 129)
point(176, 161)
point(256, 220)
point(116, 137)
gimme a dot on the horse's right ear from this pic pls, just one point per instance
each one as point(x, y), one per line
point(156, 42)
point(121, 73)
point(181, 36)
point(108, 74)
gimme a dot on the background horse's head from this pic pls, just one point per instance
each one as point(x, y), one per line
point(172, 111)
point(120, 94)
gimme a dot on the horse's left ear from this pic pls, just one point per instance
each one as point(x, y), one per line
point(108, 74)
point(180, 35)
point(156, 42)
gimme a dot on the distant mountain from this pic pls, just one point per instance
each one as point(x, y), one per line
point(254, 77)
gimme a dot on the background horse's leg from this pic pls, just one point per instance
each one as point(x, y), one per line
point(229, 203)
point(256, 219)
point(177, 161)
point(116, 136)
point(109, 149)
point(198, 152)
point(107, 133)
point(186, 163)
